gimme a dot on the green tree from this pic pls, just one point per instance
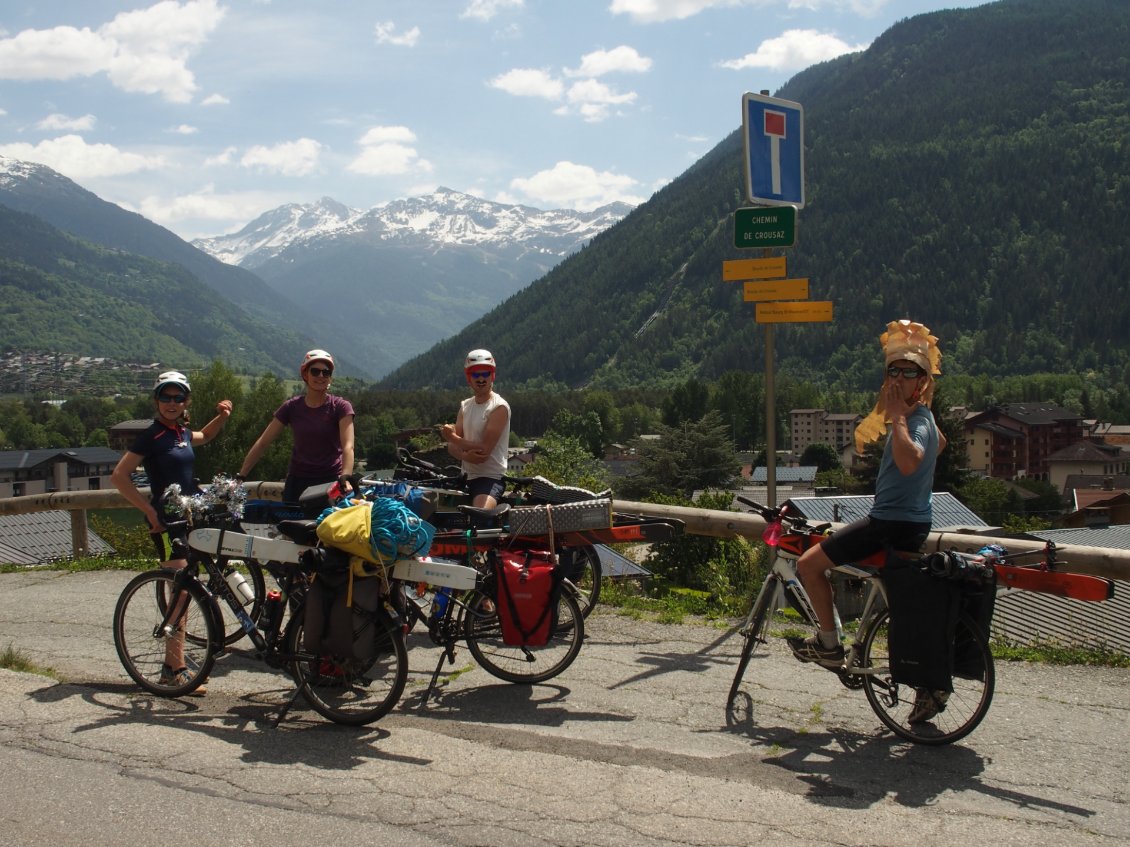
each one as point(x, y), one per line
point(564, 460)
point(691, 456)
point(249, 419)
point(687, 402)
point(585, 428)
point(823, 456)
point(225, 452)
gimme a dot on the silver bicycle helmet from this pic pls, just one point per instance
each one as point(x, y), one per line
point(171, 378)
point(478, 358)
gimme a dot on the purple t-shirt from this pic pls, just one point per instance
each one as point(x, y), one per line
point(317, 437)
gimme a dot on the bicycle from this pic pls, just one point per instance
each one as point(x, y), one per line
point(906, 711)
point(467, 609)
point(929, 717)
point(355, 690)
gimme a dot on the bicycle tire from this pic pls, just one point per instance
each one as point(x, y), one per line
point(756, 625)
point(514, 663)
point(137, 615)
point(347, 690)
point(894, 703)
point(586, 576)
point(232, 627)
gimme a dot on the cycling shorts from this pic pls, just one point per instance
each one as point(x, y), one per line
point(861, 538)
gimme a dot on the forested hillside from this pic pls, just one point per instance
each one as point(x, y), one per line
point(60, 293)
point(969, 170)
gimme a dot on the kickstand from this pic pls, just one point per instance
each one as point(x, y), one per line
point(449, 654)
point(286, 706)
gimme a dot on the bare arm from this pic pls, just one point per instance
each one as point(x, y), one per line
point(121, 477)
point(906, 453)
point(213, 427)
point(345, 433)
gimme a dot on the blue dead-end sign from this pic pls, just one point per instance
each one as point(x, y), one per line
point(773, 132)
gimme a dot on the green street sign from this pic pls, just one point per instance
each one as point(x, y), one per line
point(765, 226)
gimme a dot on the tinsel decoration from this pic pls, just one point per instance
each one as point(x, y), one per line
point(223, 495)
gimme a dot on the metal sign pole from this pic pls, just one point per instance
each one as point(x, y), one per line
point(770, 421)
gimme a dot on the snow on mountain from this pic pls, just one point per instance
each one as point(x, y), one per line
point(442, 218)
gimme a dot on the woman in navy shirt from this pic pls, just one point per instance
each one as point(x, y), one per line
point(165, 451)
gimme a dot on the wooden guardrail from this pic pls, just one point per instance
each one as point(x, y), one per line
point(1099, 561)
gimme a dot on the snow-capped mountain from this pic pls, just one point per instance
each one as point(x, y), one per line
point(398, 278)
point(442, 218)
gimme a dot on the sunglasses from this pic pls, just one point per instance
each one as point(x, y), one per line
point(321, 371)
point(906, 373)
point(173, 398)
point(481, 374)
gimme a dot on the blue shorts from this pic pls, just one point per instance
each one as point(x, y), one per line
point(861, 538)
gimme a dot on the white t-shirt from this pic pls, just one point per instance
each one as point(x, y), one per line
point(474, 422)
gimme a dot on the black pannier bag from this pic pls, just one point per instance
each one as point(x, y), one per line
point(923, 620)
point(341, 609)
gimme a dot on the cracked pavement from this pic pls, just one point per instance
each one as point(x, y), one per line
point(631, 746)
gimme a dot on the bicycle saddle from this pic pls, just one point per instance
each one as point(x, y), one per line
point(300, 531)
point(486, 514)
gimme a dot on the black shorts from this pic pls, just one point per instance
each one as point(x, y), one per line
point(861, 538)
point(172, 543)
point(489, 485)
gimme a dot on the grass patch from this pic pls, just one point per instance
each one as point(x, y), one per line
point(1055, 653)
point(16, 660)
point(93, 563)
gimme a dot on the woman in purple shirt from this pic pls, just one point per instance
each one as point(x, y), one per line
point(322, 424)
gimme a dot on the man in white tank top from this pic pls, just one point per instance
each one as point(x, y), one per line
point(480, 437)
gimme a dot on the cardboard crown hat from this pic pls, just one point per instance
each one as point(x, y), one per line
point(909, 341)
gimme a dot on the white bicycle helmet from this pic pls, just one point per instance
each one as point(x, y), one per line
point(478, 358)
point(315, 356)
point(171, 378)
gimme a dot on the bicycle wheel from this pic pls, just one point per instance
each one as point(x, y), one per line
point(138, 616)
point(232, 627)
point(349, 690)
point(585, 575)
point(754, 630)
point(514, 663)
point(901, 707)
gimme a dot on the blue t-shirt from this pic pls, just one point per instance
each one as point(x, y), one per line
point(167, 458)
point(908, 498)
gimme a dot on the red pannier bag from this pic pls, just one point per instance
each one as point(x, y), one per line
point(528, 588)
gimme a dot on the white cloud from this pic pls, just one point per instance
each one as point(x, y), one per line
point(215, 100)
point(208, 211)
point(224, 158)
point(657, 11)
point(57, 122)
point(184, 129)
point(529, 82)
point(571, 186)
point(290, 158)
point(794, 49)
point(384, 33)
point(71, 156)
point(593, 100)
point(389, 151)
point(600, 62)
point(144, 51)
point(484, 10)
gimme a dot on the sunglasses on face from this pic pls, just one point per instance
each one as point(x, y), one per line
point(172, 398)
point(481, 374)
point(321, 372)
point(905, 373)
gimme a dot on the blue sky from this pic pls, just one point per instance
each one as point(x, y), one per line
point(202, 114)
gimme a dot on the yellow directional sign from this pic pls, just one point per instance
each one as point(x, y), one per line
point(739, 269)
point(799, 312)
point(776, 289)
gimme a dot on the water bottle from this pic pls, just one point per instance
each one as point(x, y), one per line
point(439, 603)
point(243, 591)
point(272, 611)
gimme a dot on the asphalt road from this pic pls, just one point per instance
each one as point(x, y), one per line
point(631, 747)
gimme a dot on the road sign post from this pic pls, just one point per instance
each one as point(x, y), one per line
point(765, 226)
point(773, 132)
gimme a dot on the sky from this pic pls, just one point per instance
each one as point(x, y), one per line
point(203, 114)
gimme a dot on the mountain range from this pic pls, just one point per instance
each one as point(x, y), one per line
point(968, 170)
point(397, 278)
